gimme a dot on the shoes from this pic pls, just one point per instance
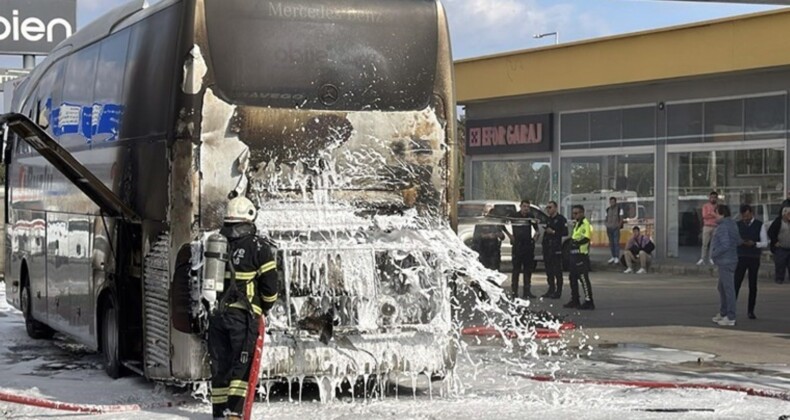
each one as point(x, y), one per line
point(529, 295)
point(588, 305)
point(556, 295)
point(751, 315)
point(718, 318)
point(701, 262)
point(779, 281)
point(726, 322)
point(548, 294)
point(641, 271)
point(572, 304)
point(612, 260)
point(628, 271)
point(710, 261)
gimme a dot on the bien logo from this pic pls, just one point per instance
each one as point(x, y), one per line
point(31, 29)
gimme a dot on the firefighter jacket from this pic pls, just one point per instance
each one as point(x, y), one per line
point(255, 266)
point(582, 233)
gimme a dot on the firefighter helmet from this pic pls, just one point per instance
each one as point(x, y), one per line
point(240, 209)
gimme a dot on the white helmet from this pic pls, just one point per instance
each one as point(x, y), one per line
point(240, 209)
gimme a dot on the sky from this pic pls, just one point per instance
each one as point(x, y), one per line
point(483, 27)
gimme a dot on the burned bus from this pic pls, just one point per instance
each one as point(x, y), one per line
point(335, 117)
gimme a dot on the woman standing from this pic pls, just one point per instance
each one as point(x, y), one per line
point(724, 253)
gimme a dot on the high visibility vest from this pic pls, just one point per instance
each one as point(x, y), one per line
point(582, 229)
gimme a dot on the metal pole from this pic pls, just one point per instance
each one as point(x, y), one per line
point(28, 62)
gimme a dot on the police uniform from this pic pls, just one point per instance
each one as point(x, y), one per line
point(487, 241)
point(552, 254)
point(523, 252)
point(580, 263)
point(233, 328)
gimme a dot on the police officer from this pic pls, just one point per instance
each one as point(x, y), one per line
point(556, 229)
point(250, 289)
point(523, 248)
point(580, 260)
point(487, 241)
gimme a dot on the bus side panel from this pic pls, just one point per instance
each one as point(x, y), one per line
point(36, 264)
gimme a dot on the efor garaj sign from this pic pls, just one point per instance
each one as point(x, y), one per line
point(531, 133)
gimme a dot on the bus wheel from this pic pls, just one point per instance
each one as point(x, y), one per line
point(35, 329)
point(109, 340)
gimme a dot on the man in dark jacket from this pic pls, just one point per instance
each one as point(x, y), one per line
point(524, 248)
point(779, 238)
point(556, 229)
point(487, 241)
point(755, 239)
point(249, 290)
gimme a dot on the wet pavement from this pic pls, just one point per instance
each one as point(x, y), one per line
point(674, 312)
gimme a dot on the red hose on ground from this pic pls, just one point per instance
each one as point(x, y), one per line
point(79, 408)
point(540, 333)
point(663, 385)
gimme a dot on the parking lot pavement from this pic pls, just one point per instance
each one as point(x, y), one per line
point(675, 312)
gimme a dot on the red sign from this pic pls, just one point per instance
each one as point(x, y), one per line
point(510, 135)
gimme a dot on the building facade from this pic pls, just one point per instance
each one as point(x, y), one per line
point(657, 119)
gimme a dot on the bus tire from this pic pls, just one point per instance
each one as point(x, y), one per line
point(36, 330)
point(110, 339)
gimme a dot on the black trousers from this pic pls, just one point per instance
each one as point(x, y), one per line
point(752, 264)
point(580, 267)
point(781, 264)
point(491, 258)
point(553, 263)
point(523, 260)
point(231, 341)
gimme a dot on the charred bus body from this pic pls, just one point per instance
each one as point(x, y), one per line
point(335, 117)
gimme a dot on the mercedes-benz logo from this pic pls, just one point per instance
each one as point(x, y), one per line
point(328, 94)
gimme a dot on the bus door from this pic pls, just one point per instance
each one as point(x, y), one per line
point(68, 246)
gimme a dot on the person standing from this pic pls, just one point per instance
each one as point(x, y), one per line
point(524, 248)
point(785, 203)
point(754, 239)
point(614, 222)
point(556, 229)
point(249, 290)
point(580, 260)
point(724, 253)
point(708, 225)
point(779, 237)
point(638, 248)
point(487, 241)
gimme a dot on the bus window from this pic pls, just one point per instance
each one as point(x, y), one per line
point(107, 108)
point(75, 113)
point(149, 74)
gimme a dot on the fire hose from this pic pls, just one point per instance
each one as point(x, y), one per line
point(784, 396)
point(81, 408)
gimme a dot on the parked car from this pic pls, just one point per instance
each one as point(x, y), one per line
point(470, 213)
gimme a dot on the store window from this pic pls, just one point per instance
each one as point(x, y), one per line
point(608, 128)
point(592, 180)
point(512, 180)
point(765, 117)
point(739, 176)
point(684, 122)
point(755, 118)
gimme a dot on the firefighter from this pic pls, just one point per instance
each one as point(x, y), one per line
point(580, 261)
point(249, 290)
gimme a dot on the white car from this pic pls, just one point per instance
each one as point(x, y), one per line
point(470, 213)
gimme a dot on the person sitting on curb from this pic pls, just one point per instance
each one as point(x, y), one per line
point(639, 248)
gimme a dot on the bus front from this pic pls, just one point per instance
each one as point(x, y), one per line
point(337, 119)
